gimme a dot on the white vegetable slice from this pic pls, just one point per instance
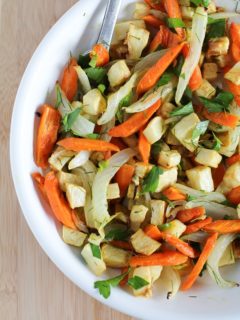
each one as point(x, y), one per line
point(214, 210)
point(149, 60)
point(223, 15)
point(151, 97)
point(199, 26)
point(215, 257)
point(100, 184)
point(80, 159)
point(171, 280)
point(115, 98)
point(83, 79)
point(199, 236)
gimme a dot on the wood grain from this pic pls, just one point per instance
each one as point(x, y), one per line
point(31, 287)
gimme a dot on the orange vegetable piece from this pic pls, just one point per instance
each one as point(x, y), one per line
point(218, 174)
point(233, 159)
point(58, 203)
point(235, 41)
point(196, 78)
point(69, 83)
point(46, 135)
point(124, 177)
point(167, 258)
point(173, 10)
point(223, 226)
point(187, 215)
point(39, 179)
point(153, 21)
point(154, 73)
point(135, 122)
point(164, 38)
point(153, 232)
point(192, 277)
point(234, 89)
point(222, 118)
point(101, 53)
point(196, 226)
point(144, 147)
point(234, 195)
point(79, 144)
point(155, 4)
point(173, 194)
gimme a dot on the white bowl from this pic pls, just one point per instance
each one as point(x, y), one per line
point(76, 31)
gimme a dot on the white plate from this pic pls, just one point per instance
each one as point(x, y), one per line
point(75, 32)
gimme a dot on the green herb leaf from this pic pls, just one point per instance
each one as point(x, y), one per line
point(164, 227)
point(175, 23)
point(103, 165)
point(96, 251)
point(217, 143)
point(182, 111)
point(165, 79)
point(101, 88)
point(104, 286)
point(70, 118)
point(200, 129)
point(216, 29)
point(125, 102)
point(220, 103)
point(117, 234)
point(150, 182)
point(93, 136)
point(156, 148)
point(137, 282)
point(96, 74)
point(93, 61)
point(204, 3)
point(190, 198)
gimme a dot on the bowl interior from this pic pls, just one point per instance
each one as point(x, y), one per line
point(76, 32)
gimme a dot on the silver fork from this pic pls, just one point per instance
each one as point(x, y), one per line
point(108, 25)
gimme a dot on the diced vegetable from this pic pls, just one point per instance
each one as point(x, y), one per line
point(154, 130)
point(113, 191)
point(234, 74)
point(210, 71)
point(169, 159)
point(218, 47)
point(64, 178)
point(118, 73)
point(157, 211)
point(187, 215)
point(200, 178)
point(234, 196)
point(122, 28)
point(141, 9)
point(78, 144)
point(167, 258)
point(96, 265)
point(208, 157)
point(137, 216)
point(144, 244)
point(206, 90)
point(230, 141)
point(73, 237)
point(231, 179)
point(167, 178)
point(80, 159)
point(115, 257)
point(137, 40)
point(76, 195)
point(94, 102)
point(175, 228)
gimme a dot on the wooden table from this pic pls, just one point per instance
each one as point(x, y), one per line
point(31, 287)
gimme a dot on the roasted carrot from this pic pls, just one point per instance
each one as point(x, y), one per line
point(153, 232)
point(196, 78)
point(144, 147)
point(192, 277)
point(154, 73)
point(187, 215)
point(233, 159)
point(69, 83)
point(196, 226)
point(124, 177)
point(167, 258)
point(222, 118)
point(218, 174)
point(234, 195)
point(79, 144)
point(58, 203)
point(124, 281)
point(174, 194)
point(39, 179)
point(155, 4)
point(121, 244)
point(153, 21)
point(223, 226)
point(135, 122)
point(234, 89)
point(46, 135)
point(173, 10)
point(235, 41)
point(164, 38)
point(101, 54)
point(118, 142)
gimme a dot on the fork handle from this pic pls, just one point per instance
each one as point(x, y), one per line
point(109, 21)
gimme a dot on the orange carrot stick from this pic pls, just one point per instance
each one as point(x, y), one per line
point(187, 215)
point(153, 232)
point(155, 4)
point(173, 10)
point(144, 147)
point(79, 144)
point(153, 21)
point(58, 203)
point(234, 195)
point(124, 177)
point(167, 258)
point(135, 122)
point(233, 159)
point(218, 174)
point(121, 244)
point(69, 83)
point(192, 277)
point(222, 118)
point(234, 89)
point(164, 38)
point(196, 226)
point(223, 226)
point(46, 135)
point(173, 194)
point(235, 41)
point(154, 73)
point(196, 78)
point(101, 54)
point(39, 179)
